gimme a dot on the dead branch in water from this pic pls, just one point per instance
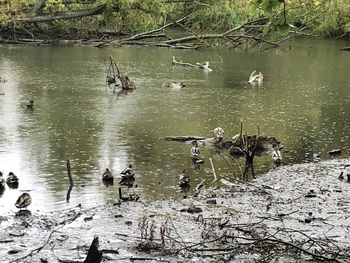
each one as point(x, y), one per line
point(213, 169)
point(143, 35)
point(250, 32)
point(113, 73)
point(71, 184)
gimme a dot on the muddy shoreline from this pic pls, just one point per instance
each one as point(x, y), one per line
point(298, 212)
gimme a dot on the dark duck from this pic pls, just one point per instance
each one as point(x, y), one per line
point(128, 172)
point(107, 177)
point(30, 106)
point(23, 201)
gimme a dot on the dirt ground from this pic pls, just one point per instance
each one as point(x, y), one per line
point(298, 213)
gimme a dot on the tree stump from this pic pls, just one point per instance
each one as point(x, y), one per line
point(94, 255)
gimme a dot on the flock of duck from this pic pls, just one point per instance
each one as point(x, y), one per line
point(127, 176)
point(255, 79)
point(24, 200)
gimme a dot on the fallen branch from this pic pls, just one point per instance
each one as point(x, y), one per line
point(71, 184)
point(38, 249)
point(144, 34)
point(198, 188)
point(213, 169)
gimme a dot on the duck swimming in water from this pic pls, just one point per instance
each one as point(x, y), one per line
point(107, 176)
point(11, 178)
point(175, 84)
point(256, 79)
point(23, 201)
point(204, 66)
point(30, 106)
point(2, 181)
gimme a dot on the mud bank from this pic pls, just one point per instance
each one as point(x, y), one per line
point(298, 212)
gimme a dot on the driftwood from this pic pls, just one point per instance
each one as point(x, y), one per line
point(204, 66)
point(213, 169)
point(143, 35)
point(251, 31)
point(183, 138)
point(113, 73)
point(94, 254)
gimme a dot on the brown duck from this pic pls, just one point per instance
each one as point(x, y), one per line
point(23, 201)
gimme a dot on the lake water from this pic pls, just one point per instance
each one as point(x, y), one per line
point(304, 102)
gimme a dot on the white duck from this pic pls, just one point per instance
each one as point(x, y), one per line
point(256, 79)
point(276, 155)
point(204, 66)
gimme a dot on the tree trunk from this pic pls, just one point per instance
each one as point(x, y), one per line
point(94, 255)
point(69, 15)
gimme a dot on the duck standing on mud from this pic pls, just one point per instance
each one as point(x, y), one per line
point(184, 182)
point(184, 178)
point(276, 154)
point(346, 172)
point(23, 201)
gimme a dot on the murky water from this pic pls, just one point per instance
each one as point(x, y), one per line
point(304, 102)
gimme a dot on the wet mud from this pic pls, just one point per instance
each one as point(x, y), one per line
point(298, 212)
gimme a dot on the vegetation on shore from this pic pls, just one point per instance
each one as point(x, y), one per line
point(77, 19)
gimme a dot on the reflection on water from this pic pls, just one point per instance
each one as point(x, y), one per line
point(304, 102)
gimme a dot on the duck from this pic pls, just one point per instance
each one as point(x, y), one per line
point(127, 172)
point(23, 201)
point(30, 106)
point(2, 80)
point(184, 178)
point(195, 152)
point(11, 178)
point(175, 84)
point(2, 181)
point(276, 155)
point(256, 79)
point(107, 175)
point(219, 134)
point(204, 66)
point(346, 172)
